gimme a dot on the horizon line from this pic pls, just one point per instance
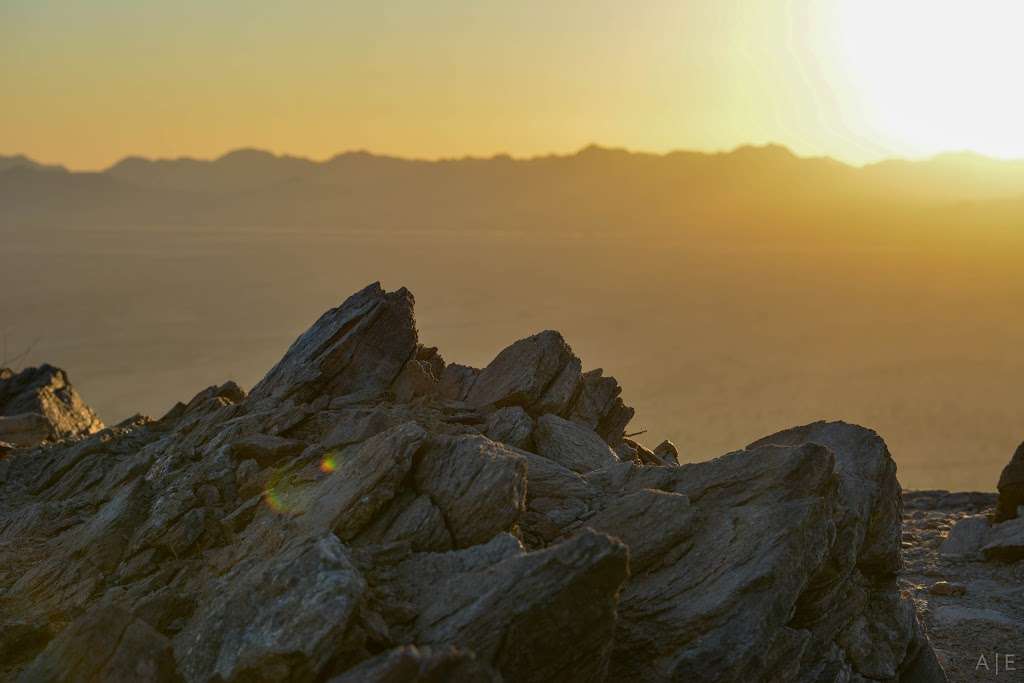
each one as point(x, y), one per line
point(590, 147)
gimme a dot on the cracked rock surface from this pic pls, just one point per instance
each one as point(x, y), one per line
point(369, 512)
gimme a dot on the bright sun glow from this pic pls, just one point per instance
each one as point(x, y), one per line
point(938, 74)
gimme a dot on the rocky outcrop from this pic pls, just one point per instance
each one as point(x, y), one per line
point(372, 513)
point(39, 404)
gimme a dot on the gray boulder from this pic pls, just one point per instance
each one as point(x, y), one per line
point(1005, 541)
point(967, 537)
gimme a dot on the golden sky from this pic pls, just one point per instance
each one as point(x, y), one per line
point(86, 82)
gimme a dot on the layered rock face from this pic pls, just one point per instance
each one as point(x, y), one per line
point(39, 404)
point(371, 513)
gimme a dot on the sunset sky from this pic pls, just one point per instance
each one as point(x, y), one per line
point(87, 82)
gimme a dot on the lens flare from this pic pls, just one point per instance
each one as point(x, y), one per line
point(329, 463)
point(275, 501)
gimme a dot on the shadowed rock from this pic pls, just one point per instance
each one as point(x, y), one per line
point(1011, 487)
point(105, 644)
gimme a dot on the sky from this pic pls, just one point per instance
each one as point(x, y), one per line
point(87, 82)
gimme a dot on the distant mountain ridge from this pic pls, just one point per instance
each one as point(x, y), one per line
point(596, 189)
point(20, 161)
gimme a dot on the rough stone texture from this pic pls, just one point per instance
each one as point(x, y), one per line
point(570, 445)
point(1011, 487)
point(369, 512)
point(510, 425)
point(1005, 541)
point(265, 449)
point(416, 379)
point(282, 619)
point(539, 373)
point(542, 616)
point(456, 381)
point(39, 404)
point(361, 345)
point(983, 611)
point(478, 485)
point(105, 644)
point(966, 537)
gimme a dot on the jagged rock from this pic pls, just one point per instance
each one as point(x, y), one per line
point(360, 346)
point(738, 558)
point(539, 373)
point(510, 425)
point(39, 404)
point(368, 508)
point(410, 664)
point(1011, 487)
point(598, 406)
point(571, 445)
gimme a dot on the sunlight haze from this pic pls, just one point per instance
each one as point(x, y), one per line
point(91, 82)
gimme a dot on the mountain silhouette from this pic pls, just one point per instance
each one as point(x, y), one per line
point(752, 190)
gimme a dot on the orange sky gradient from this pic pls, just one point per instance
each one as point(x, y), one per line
point(87, 83)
